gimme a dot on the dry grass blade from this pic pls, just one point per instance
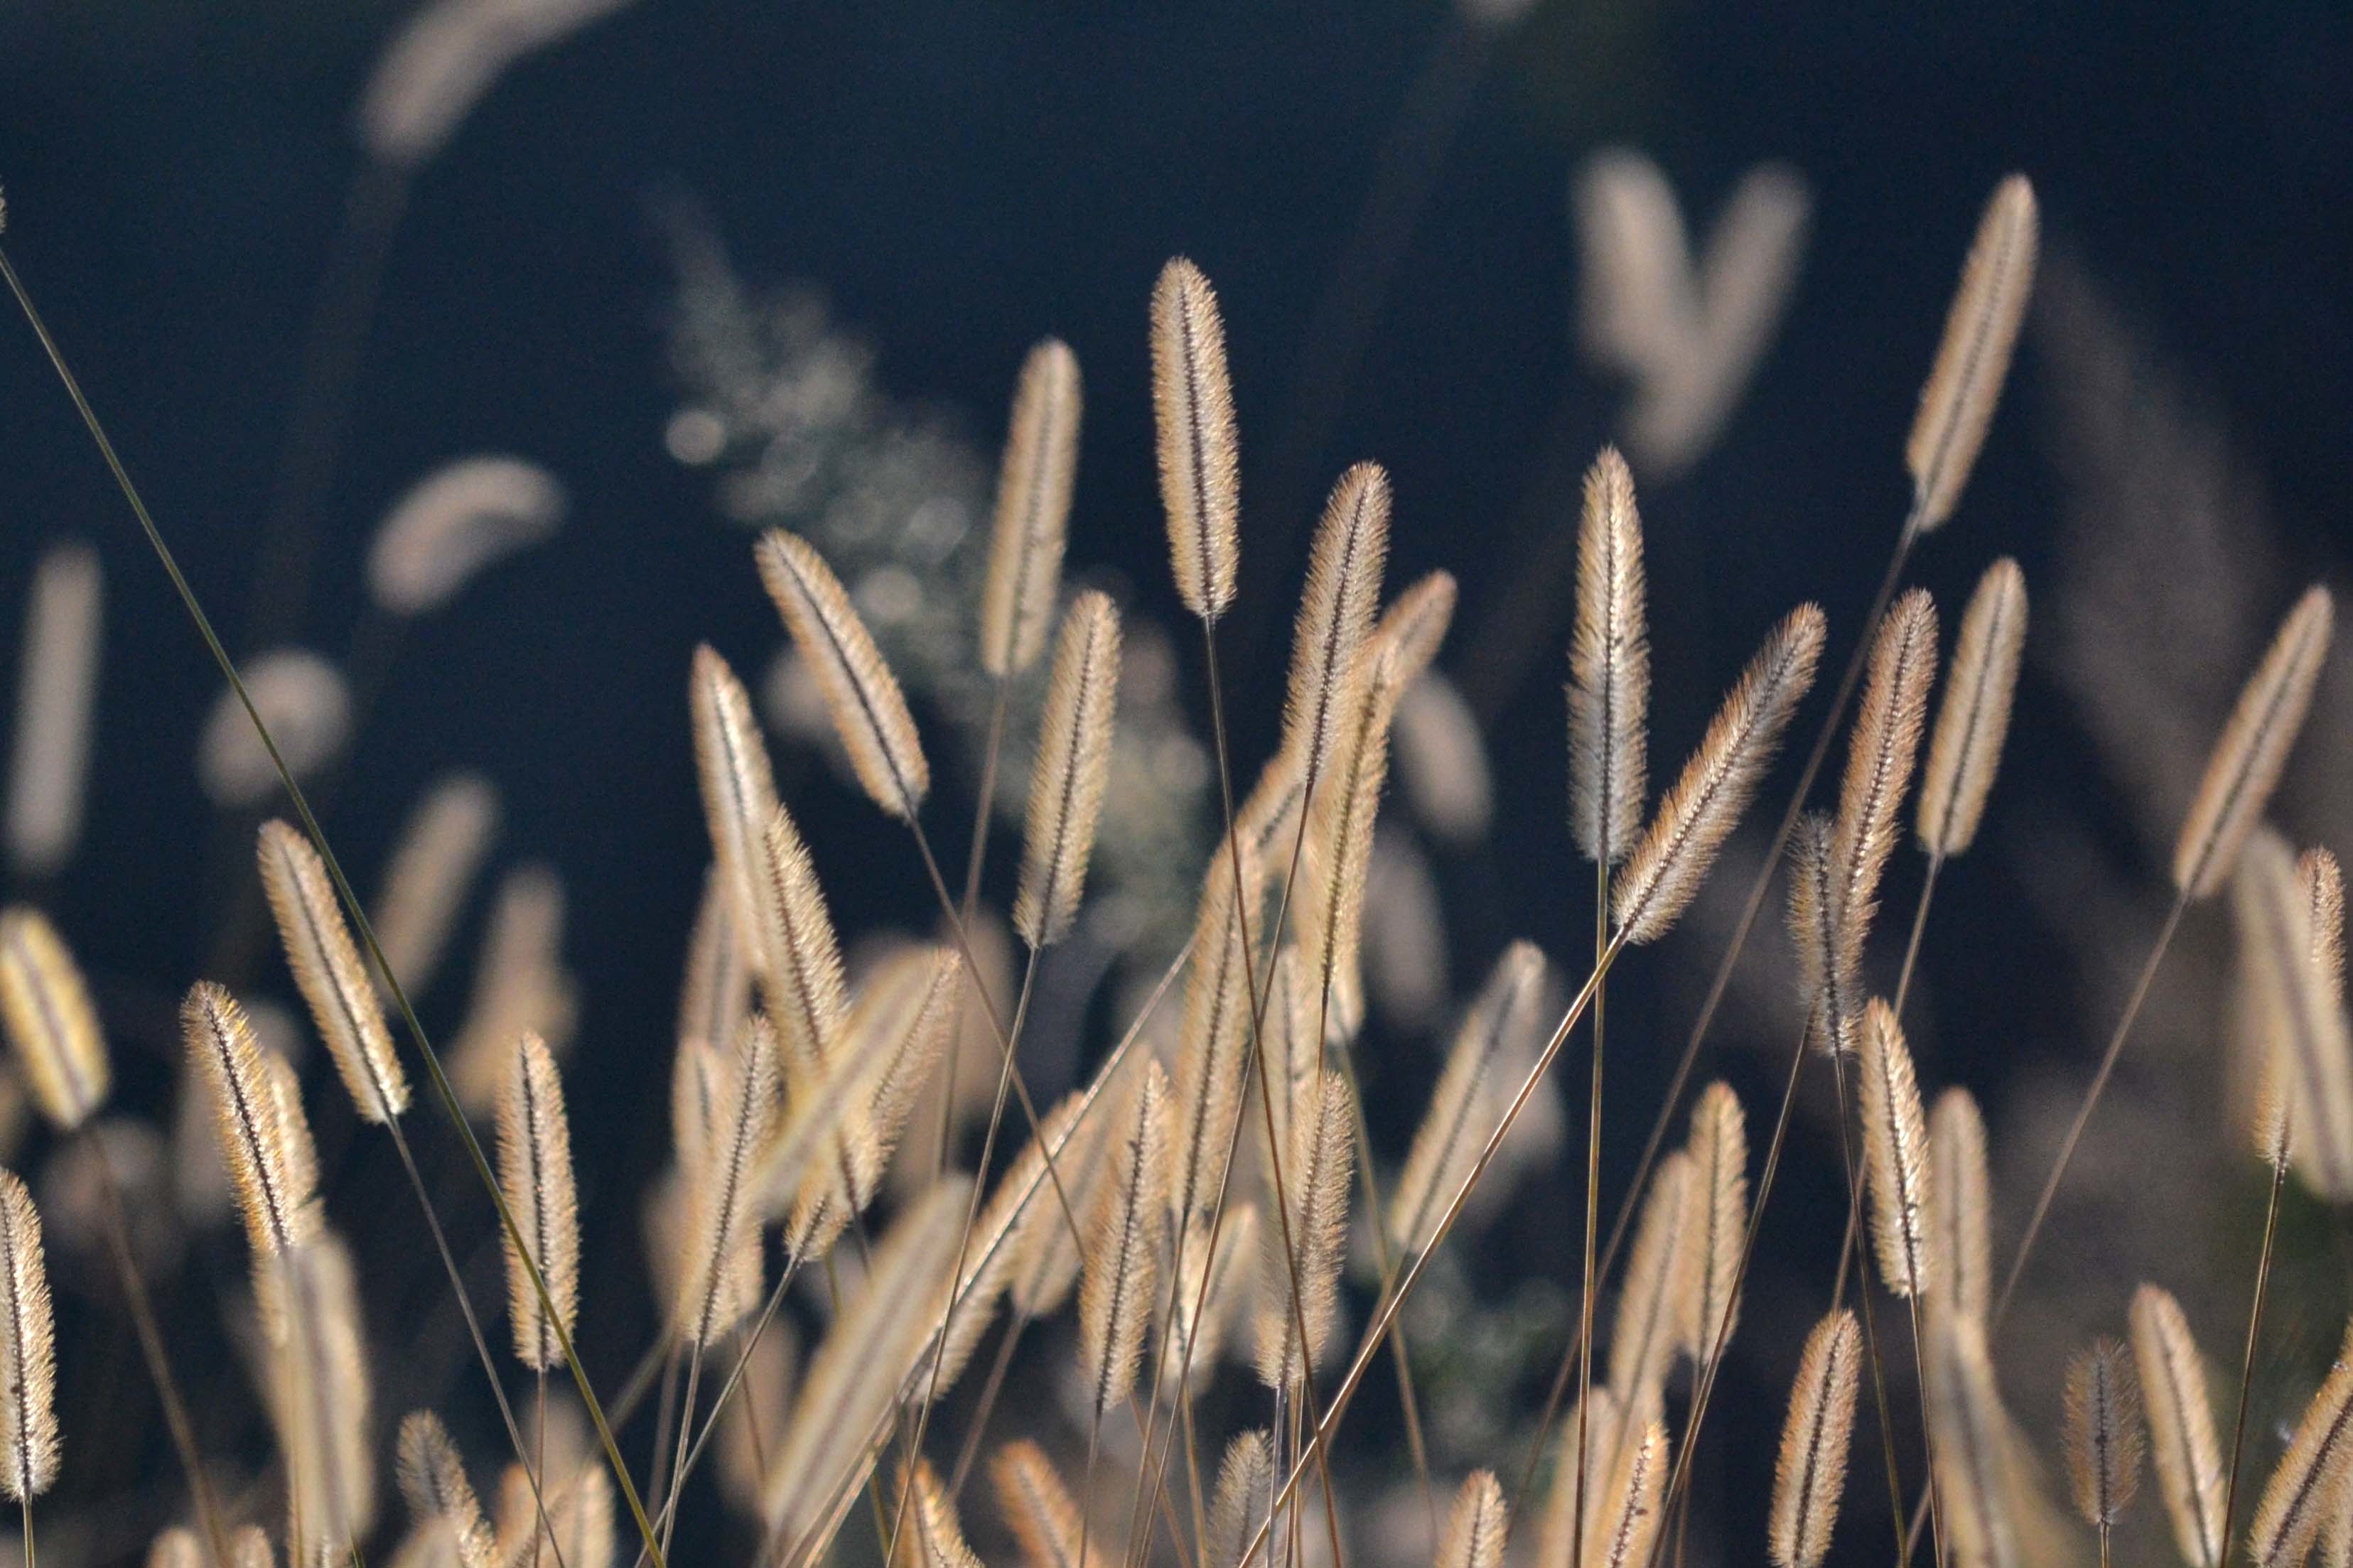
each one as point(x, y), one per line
point(536, 1170)
point(56, 688)
point(1718, 1150)
point(1973, 720)
point(28, 1370)
point(1880, 757)
point(1495, 1033)
point(1033, 510)
point(1960, 1207)
point(1036, 1505)
point(2105, 1438)
point(279, 1210)
point(59, 1050)
point(1193, 407)
point(1125, 1231)
point(1608, 669)
point(2189, 1459)
point(1625, 1528)
point(1066, 789)
point(721, 1277)
point(1477, 1526)
point(327, 969)
point(1697, 815)
point(1896, 1154)
point(440, 850)
point(1958, 403)
point(2310, 1478)
point(1810, 1473)
point(870, 712)
point(2247, 760)
point(2301, 1016)
point(1245, 1495)
point(1317, 1169)
point(1336, 614)
point(1645, 1331)
point(1213, 1035)
point(1970, 1437)
point(433, 1483)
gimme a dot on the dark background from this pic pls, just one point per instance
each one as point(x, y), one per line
point(961, 178)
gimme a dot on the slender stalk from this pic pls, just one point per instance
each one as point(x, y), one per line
point(1720, 982)
point(972, 862)
point(1592, 1219)
point(2247, 1361)
point(318, 837)
point(150, 1346)
point(658, 1481)
point(1919, 925)
point(1086, 1488)
point(539, 1467)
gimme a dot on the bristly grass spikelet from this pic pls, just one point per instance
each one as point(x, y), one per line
point(1493, 1037)
point(1958, 401)
point(1810, 1473)
point(1718, 1149)
point(433, 1483)
point(1335, 614)
point(279, 1213)
point(1037, 1505)
point(60, 1049)
point(1625, 1528)
point(535, 1169)
point(1066, 788)
point(2310, 1478)
point(1129, 1219)
point(1645, 1331)
point(1609, 668)
point(1339, 848)
point(321, 1395)
point(1415, 623)
point(2189, 1459)
point(1880, 756)
point(1216, 1280)
point(2248, 758)
point(28, 1370)
point(1193, 408)
point(1033, 510)
point(1476, 1527)
point(1970, 1435)
point(1960, 1207)
point(1826, 978)
point(1696, 815)
point(2105, 1438)
point(327, 969)
point(57, 691)
point(2301, 1016)
point(1245, 1495)
point(1318, 1167)
point(440, 852)
point(1973, 720)
point(1213, 1037)
point(1896, 1152)
point(870, 712)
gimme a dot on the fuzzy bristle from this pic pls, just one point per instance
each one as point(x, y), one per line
point(802, 977)
point(433, 1483)
point(716, 994)
point(1129, 1219)
point(28, 1368)
point(1041, 1251)
point(2310, 1478)
point(320, 1397)
point(1316, 1168)
point(1608, 669)
point(327, 969)
point(1896, 1157)
point(870, 712)
point(1339, 848)
point(1033, 510)
point(719, 1282)
point(2105, 1438)
point(1885, 745)
point(1620, 1532)
point(60, 1049)
point(2188, 1461)
point(933, 1536)
point(2247, 760)
point(1960, 1207)
point(1213, 1036)
point(1212, 1287)
point(1415, 624)
point(1646, 1329)
point(1810, 1473)
point(1699, 813)
point(1476, 1527)
point(279, 1207)
point(1193, 408)
point(1037, 1505)
point(1245, 1495)
point(1335, 614)
point(1973, 720)
point(1827, 977)
point(1957, 404)
point(1066, 787)
point(1718, 1149)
